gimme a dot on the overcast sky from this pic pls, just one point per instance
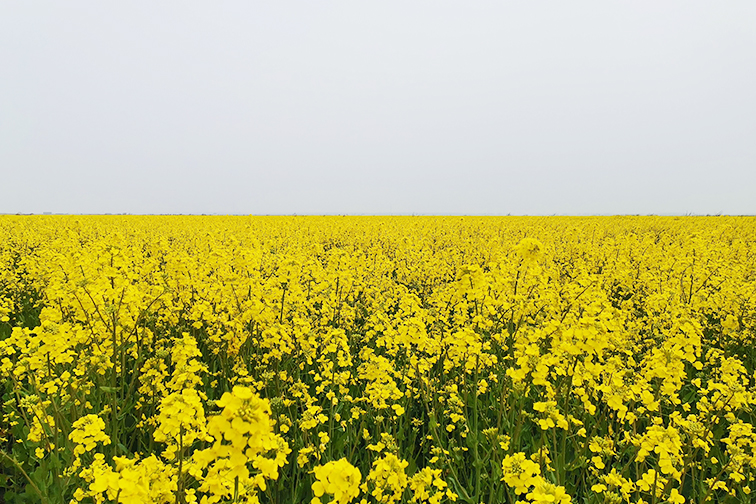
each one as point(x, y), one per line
point(378, 107)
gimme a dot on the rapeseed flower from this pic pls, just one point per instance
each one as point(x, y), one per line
point(387, 478)
point(339, 479)
point(520, 473)
point(88, 432)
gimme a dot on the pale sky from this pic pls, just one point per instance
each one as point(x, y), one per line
point(378, 107)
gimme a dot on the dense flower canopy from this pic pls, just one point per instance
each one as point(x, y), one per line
point(377, 359)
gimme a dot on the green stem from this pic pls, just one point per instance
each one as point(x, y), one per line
point(21, 469)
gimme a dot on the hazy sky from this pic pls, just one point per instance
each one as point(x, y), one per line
point(365, 107)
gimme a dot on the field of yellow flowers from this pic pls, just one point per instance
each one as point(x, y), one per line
point(377, 359)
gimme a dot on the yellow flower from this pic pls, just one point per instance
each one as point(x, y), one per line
point(530, 249)
point(428, 486)
point(548, 493)
point(520, 473)
point(337, 478)
point(387, 478)
point(244, 436)
point(87, 432)
point(675, 497)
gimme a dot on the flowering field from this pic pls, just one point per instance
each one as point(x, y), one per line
point(377, 359)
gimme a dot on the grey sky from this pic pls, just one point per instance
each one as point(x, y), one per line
point(385, 107)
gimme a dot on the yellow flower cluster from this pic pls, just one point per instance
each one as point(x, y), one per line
point(338, 478)
point(520, 473)
point(87, 432)
point(388, 479)
point(243, 437)
point(132, 481)
point(428, 486)
point(524, 477)
point(181, 421)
